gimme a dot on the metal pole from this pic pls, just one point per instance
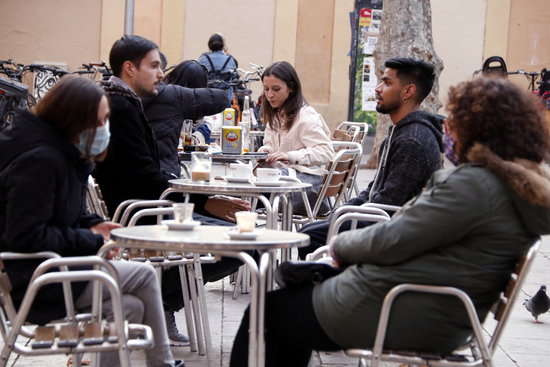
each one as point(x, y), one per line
point(129, 17)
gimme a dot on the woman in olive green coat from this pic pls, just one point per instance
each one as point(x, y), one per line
point(465, 230)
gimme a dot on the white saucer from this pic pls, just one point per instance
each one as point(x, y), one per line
point(269, 184)
point(234, 234)
point(237, 179)
point(172, 224)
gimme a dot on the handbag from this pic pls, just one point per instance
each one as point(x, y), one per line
point(296, 274)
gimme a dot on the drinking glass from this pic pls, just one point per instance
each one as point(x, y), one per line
point(201, 165)
point(246, 221)
point(183, 212)
point(186, 133)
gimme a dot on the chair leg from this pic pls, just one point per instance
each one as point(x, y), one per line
point(238, 282)
point(187, 308)
point(203, 310)
point(196, 309)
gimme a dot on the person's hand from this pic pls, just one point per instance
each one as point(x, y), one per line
point(113, 252)
point(277, 156)
point(225, 207)
point(335, 262)
point(104, 229)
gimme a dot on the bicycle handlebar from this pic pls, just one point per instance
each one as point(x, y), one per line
point(523, 72)
point(53, 70)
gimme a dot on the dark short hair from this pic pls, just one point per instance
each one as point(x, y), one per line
point(414, 71)
point(71, 106)
point(163, 60)
point(216, 42)
point(129, 48)
point(285, 71)
point(188, 74)
point(499, 115)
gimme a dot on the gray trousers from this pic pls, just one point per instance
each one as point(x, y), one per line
point(142, 303)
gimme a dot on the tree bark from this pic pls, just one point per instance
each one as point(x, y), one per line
point(405, 31)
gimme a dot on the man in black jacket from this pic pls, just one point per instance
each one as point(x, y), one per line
point(131, 169)
point(411, 152)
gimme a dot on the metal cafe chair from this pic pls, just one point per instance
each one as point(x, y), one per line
point(340, 216)
point(337, 179)
point(480, 351)
point(77, 333)
point(194, 301)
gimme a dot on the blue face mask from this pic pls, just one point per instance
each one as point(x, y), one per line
point(450, 153)
point(100, 142)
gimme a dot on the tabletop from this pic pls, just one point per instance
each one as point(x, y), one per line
point(210, 238)
point(225, 157)
point(222, 187)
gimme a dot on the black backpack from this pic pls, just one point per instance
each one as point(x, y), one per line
point(216, 78)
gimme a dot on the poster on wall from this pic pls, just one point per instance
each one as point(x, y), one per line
point(366, 30)
point(369, 84)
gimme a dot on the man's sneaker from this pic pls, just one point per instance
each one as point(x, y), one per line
point(172, 329)
point(179, 363)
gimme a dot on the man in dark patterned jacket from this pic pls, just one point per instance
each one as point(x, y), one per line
point(131, 169)
point(411, 152)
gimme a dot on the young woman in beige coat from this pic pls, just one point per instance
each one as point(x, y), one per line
point(296, 136)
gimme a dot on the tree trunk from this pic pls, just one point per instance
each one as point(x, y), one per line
point(405, 31)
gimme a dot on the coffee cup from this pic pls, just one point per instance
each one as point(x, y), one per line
point(268, 174)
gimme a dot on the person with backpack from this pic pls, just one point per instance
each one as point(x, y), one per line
point(220, 65)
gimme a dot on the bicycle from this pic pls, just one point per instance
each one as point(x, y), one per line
point(530, 75)
point(15, 94)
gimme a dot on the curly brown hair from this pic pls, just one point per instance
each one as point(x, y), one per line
point(499, 115)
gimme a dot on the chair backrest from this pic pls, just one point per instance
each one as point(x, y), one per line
point(94, 199)
point(345, 214)
point(502, 308)
point(357, 130)
point(341, 170)
point(353, 166)
point(127, 209)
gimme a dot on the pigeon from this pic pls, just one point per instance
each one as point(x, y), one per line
point(538, 304)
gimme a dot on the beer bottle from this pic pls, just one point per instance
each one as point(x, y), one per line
point(235, 106)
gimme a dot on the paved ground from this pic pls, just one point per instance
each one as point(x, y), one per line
point(523, 344)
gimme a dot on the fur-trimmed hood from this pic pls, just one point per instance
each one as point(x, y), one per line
point(528, 181)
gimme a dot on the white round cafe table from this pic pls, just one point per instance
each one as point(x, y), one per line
point(215, 240)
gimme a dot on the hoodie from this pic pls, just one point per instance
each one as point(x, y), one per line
point(407, 159)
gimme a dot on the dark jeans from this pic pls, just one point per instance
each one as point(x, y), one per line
point(318, 232)
point(292, 330)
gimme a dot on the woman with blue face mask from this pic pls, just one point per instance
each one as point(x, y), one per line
point(46, 157)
